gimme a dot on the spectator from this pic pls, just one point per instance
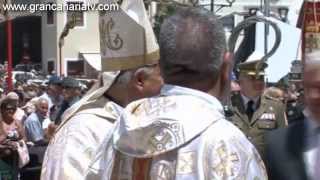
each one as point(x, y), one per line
point(71, 94)
point(29, 95)
point(34, 123)
point(53, 95)
point(275, 94)
point(11, 129)
point(19, 114)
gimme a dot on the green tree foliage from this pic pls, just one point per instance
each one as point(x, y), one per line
point(164, 11)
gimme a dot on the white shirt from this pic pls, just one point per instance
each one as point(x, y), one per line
point(46, 122)
point(246, 100)
point(312, 144)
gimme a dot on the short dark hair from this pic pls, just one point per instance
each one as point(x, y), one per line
point(192, 46)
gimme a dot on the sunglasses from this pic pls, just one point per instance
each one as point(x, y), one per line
point(10, 108)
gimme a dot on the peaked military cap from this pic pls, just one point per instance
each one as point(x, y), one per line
point(252, 68)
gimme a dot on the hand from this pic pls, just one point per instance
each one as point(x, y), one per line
point(51, 129)
point(5, 150)
point(13, 145)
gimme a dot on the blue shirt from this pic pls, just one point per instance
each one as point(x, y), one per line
point(33, 126)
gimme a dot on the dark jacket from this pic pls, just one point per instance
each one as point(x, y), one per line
point(285, 149)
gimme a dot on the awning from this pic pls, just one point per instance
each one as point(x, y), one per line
point(93, 59)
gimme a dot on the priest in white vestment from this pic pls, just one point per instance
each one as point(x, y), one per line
point(182, 133)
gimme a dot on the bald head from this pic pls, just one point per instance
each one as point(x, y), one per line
point(192, 46)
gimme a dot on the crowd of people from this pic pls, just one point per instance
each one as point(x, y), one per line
point(156, 111)
point(32, 112)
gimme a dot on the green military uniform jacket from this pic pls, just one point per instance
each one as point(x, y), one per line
point(269, 115)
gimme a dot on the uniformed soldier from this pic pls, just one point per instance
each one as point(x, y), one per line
point(254, 113)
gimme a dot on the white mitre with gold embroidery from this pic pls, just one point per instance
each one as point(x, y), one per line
point(127, 40)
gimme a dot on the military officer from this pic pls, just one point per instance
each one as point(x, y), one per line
point(254, 113)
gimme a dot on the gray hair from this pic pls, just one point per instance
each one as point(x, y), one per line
point(41, 100)
point(192, 45)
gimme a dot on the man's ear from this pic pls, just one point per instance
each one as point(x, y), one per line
point(226, 68)
point(138, 79)
point(225, 74)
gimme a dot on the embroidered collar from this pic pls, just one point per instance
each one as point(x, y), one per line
point(168, 90)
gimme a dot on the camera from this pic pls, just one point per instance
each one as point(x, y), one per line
point(13, 136)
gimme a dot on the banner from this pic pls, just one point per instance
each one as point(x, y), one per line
point(309, 21)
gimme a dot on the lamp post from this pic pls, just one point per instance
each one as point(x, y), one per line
point(9, 48)
point(59, 66)
point(266, 26)
point(283, 13)
point(69, 25)
point(212, 6)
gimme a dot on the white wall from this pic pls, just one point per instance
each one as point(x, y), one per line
point(49, 40)
point(79, 39)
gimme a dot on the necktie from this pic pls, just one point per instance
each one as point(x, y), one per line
point(250, 109)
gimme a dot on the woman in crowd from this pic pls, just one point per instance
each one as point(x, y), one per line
point(11, 129)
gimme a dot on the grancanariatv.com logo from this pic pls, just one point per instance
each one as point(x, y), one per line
point(33, 8)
